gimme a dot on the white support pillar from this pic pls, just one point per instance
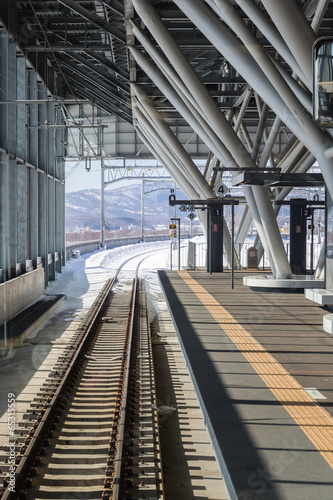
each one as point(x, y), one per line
point(266, 153)
point(154, 147)
point(185, 108)
point(260, 19)
point(177, 58)
point(319, 14)
point(293, 115)
point(163, 153)
point(242, 110)
point(278, 87)
point(295, 30)
point(177, 149)
point(184, 69)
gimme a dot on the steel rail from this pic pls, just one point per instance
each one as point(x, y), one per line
point(118, 459)
point(37, 434)
point(116, 483)
point(50, 407)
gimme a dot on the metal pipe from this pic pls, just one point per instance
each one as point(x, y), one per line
point(254, 209)
point(191, 194)
point(164, 154)
point(320, 269)
point(198, 180)
point(94, 19)
point(319, 14)
point(212, 165)
point(263, 115)
point(293, 115)
point(209, 159)
point(170, 167)
point(171, 49)
point(261, 58)
point(292, 157)
point(295, 30)
point(304, 97)
point(185, 108)
point(258, 17)
point(219, 123)
point(242, 110)
point(246, 134)
point(164, 65)
point(266, 153)
point(170, 152)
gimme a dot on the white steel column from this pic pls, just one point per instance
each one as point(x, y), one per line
point(220, 124)
point(177, 149)
point(185, 108)
point(266, 153)
point(262, 22)
point(244, 225)
point(184, 69)
point(295, 30)
point(293, 115)
point(149, 132)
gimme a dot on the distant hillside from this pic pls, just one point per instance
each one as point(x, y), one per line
point(122, 208)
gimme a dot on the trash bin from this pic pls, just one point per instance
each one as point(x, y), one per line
point(252, 258)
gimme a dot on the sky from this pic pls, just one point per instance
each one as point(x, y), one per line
point(78, 178)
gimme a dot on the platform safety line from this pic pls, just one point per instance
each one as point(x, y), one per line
point(314, 421)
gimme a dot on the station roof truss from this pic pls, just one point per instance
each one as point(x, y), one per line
point(236, 75)
point(87, 42)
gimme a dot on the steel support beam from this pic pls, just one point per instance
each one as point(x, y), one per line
point(220, 124)
point(177, 149)
point(94, 19)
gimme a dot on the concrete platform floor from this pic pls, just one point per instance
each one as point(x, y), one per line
point(251, 356)
point(190, 469)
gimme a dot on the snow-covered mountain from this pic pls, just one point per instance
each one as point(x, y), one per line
point(122, 206)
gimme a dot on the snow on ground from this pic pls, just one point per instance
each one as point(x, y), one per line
point(84, 277)
point(24, 369)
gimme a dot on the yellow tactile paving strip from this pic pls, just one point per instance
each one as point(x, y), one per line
point(314, 421)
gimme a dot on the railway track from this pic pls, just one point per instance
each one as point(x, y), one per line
point(92, 430)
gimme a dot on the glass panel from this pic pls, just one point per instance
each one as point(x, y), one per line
point(323, 82)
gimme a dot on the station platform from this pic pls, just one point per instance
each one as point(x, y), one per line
point(262, 368)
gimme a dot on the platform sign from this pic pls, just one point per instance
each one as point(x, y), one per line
point(191, 216)
point(307, 212)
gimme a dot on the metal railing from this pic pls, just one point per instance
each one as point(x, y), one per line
point(194, 255)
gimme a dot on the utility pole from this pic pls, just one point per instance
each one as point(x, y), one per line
point(102, 223)
point(142, 207)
